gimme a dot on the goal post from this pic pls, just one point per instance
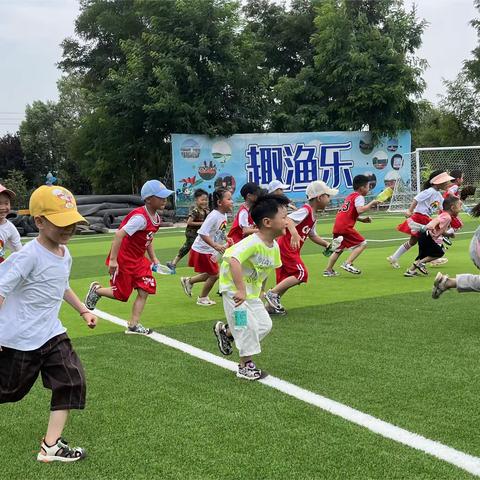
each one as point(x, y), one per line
point(426, 160)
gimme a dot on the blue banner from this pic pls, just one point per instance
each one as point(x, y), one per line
point(296, 159)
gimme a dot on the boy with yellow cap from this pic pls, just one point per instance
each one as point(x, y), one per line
point(33, 341)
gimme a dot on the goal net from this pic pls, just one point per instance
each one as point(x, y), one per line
point(426, 160)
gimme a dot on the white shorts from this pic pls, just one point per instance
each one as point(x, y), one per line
point(259, 324)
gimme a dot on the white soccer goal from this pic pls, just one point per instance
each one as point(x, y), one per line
point(426, 160)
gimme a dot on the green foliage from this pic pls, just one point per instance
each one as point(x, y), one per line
point(11, 153)
point(16, 181)
point(364, 71)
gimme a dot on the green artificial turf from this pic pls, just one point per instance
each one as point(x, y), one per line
point(376, 342)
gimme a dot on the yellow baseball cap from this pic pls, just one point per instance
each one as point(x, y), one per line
point(56, 204)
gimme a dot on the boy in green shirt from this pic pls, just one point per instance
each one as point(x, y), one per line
point(246, 266)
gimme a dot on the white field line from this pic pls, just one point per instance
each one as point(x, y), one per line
point(448, 454)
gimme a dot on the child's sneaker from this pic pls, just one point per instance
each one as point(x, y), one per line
point(249, 372)
point(438, 262)
point(172, 267)
point(330, 273)
point(273, 311)
point(393, 262)
point(59, 452)
point(138, 329)
point(187, 286)
point(421, 267)
point(411, 273)
point(205, 302)
point(223, 340)
point(273, 300)
point(439, 285)
point(447, 241)
point(92, 298)
point(350, 268)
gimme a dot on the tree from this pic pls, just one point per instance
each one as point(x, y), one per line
point(154, 68)
point(11, 153)
point(472, 66)
point(15, 180)
point(364, 72)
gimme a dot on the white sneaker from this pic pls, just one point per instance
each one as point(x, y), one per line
point(187, 286)
point(439, 285)
point(438, 262)
point(393, 262)
point(205, 302)
point(273, 300)
point(59, 452)
point(350, 268)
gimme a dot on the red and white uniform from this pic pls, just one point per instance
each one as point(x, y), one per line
point(134, 269)
point(429, 202)
point(292, 264)
point(345, 222)
point(242, 220)
point(204, 258)
point(454, 190)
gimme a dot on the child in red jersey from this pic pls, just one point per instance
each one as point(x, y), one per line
point(243, 225)
point(353, 206)
point(301, 226)
point(128, 267)
point(209, 246)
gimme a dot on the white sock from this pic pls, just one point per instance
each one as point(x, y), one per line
point(401, 250)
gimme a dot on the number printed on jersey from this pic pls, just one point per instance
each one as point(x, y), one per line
point(149, 239)
point(345, 207)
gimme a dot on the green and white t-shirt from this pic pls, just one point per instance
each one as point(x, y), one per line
point(257, 260)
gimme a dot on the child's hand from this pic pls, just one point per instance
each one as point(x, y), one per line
point(220, 248)
point(295, 241)
point(155, 261)
point(367, 220)
point(408, 213)
point(90, 318)
point(230, 241)
point(112, 267)
point(239, 297)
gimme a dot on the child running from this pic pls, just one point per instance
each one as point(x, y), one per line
point(196, 217)
point(128, 267)
point(424, 205)
point(210, 244)
point(353, 206)
point(243, 225)
point(301, 226)
point(431, 237)
point(33, 341)
point(276, 187)
point(245, 267)
point(9, 236)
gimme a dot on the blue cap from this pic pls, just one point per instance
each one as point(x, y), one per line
point(155, 188)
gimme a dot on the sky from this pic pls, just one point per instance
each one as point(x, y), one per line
point(31, 32)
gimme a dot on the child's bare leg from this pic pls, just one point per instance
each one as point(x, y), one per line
point(56, 424)
point(286, 284)
point(356, 252)
point(201, 277)
point(208, 285)
point(331, 261)
point(105, 292)
point(176, 260)
point(138, 306)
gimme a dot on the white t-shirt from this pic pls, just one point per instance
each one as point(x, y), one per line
point(215, 226)
point(139, 222)
point(33, 282)
point(299, 216)
point(429, 202)
point(9, 238)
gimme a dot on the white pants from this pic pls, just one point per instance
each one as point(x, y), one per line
point(259, 325)
point(467, 282)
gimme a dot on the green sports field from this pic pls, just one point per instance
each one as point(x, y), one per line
point(375, 342)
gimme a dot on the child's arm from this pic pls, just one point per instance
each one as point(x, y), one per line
point(411, 208)
point(433, 223)
point(295, 241)
point(151, 254)
point(364, 219)
point(211, 243)
point(192, 223)
point(315, 238)
point(241, 294)
point(367, 207)
point(117, 241)
point(71, 298)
